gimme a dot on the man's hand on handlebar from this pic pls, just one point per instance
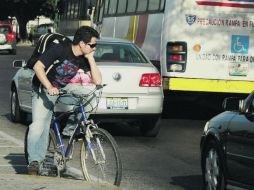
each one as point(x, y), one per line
point(99, 86)
point(53, 91)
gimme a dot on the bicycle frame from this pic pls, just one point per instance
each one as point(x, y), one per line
point(83, 118)
point(92, 149)
point(55, 118)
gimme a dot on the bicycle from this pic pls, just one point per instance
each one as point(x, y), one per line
point(99, 154)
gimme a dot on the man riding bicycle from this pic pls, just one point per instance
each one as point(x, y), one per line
point(75, 56)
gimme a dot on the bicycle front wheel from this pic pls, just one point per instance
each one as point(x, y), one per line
point(104, 165)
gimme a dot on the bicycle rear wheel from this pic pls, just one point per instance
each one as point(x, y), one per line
point(51, 143)
point(107, 167)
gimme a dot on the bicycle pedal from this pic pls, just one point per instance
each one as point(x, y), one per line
point(48, 169)
point(48, 173)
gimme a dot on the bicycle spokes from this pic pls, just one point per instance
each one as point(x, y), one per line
point(100, 158)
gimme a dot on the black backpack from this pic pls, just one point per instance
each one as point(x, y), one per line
point(45, 41)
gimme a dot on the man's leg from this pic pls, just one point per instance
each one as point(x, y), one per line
point(42, 104)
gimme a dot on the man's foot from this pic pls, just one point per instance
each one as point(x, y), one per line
point(33, 168)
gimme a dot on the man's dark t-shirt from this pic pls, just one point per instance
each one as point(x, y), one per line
point(61, 73)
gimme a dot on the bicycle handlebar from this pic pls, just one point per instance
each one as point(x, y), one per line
point(97, 87)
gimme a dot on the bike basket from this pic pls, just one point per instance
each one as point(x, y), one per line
point(68, 100)
point(90, 102)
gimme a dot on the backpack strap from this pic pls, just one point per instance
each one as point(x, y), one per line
point(42, 42)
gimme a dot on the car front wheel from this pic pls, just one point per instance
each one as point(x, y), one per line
point(150, 127)
point(212, 171)
point(16, 113)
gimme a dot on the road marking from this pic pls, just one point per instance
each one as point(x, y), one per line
point(13, 165)
point(12, 155)
point(9, 146)
point(12, 139)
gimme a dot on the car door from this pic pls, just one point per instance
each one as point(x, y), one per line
point(240, 147)
point(25, 88)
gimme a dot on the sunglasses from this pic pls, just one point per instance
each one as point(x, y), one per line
point(92, 45)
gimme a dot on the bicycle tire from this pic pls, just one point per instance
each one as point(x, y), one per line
point(109, 172)
point(51, 146)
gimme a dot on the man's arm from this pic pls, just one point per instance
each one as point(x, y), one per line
point(39, 69)
point(95, 72)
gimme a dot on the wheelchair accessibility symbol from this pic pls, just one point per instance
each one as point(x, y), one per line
point(239, 44)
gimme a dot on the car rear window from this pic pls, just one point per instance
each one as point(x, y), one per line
point(118, 52)
point(5, 29)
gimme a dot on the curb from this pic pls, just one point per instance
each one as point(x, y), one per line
point(27, 182)
point(24, 43)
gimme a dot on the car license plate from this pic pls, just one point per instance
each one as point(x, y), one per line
point(117, 103)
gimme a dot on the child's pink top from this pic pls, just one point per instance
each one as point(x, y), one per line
point(82, 78)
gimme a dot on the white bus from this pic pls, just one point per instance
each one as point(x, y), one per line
point(72, 15)
point(201, 45)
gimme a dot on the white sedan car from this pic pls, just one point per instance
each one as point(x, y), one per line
point(133, 91)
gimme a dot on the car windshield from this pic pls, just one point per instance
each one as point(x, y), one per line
point(5, 29)
point(118, 52)
point(44, 28)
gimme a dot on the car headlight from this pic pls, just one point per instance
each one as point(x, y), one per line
point(206, 126)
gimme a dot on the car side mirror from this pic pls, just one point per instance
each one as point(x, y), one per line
point(19, 63)
point(233, 104)
point(242, 107)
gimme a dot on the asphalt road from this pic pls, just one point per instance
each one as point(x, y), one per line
point(169, 161)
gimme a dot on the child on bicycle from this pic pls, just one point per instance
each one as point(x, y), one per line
point(79, 54)
point(83, 82)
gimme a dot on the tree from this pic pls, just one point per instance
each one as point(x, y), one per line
point(25, 10)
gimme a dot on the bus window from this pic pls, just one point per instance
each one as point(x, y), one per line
point(106, 7)
point(132, 6)
point(154, 5)
point(162, 5)
point(69, 10)
point(112, 7)
point(100, 11)
point(121, 7)
point(75, 9)
point(142, 6)
point(98, 15)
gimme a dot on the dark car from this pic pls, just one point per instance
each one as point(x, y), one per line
point(7, 38)
point(227, 146)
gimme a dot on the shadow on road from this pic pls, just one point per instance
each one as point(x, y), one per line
point(5, 52)
point(26, 121)
point(188, 182)
point(121, 129)
point(17, 161)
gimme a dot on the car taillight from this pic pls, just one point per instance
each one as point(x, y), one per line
point(150, 80)
point(176, 56)
point(10, 37)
